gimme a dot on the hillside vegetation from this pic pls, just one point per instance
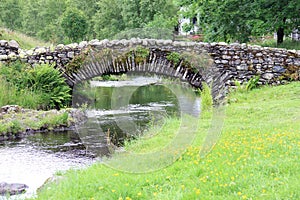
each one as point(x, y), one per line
point(65, 21)
point(25, 42)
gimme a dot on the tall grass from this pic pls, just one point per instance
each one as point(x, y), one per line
point(39, 87)
point(287, 43)
point(24, 41)
point(257, 157)
point(11, 95)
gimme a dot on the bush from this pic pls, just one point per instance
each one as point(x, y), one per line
point(46, 79)
point(39, 87)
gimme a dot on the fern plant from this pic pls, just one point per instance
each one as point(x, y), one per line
point(252, 83)
point(46, 79)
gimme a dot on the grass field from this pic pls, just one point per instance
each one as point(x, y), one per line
point(270, 42)
point(257, 157)
point(24, 41)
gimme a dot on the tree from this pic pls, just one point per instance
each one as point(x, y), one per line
point(115, 16)
point(238, 20)
point(49, 15)
point(226, 20)
point(74, 24)
point(10, 14)
point(89, 8)
point(279, 16)
point(108, 20)
point(41, 18)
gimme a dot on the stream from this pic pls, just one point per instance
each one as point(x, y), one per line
point(116, 110)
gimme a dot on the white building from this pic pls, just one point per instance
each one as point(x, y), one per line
point(184, 20)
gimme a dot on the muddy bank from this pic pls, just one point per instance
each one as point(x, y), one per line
point(17, 122)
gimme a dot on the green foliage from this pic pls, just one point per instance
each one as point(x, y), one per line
point(187, 27)
point(247, 86)
point(48, 80)
point(162, 22)
point(148, 32)
point(75, 64)
point(53, 20)
point(174, 57)
point(252, 83)
point(74, 24)
point(234, 20)
point(15, 126)
point(108, 19)
point(42, 19)
point(225, 21)
point(140, 54)
point(40, 87)
point(206, 98)
point(35, 120)
point(287, 44)
point(24, 41)
point(114, 17)
point(9, 8)
point(108, 78)
point(11, 95)
point(229, 20)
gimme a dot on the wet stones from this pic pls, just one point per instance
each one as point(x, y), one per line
point(10, 109)
point(12, 188)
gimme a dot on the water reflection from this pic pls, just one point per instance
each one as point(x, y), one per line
point(126, 112)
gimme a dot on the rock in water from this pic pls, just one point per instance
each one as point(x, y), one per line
point(12, 189)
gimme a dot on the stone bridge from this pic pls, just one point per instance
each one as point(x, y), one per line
point(218, 64)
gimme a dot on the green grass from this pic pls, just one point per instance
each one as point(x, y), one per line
point(11, 95)
point(41, 87)
point(257, 157)
point(35, 120)
point(24, 41)
point(287, 43)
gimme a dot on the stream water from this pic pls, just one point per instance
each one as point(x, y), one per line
point(116, 111)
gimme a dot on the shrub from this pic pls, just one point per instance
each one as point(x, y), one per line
point(49, 81)
point(39, 87)
point(250, 85)
point(174, 57)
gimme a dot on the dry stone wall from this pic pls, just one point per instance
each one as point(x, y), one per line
point(231, 62)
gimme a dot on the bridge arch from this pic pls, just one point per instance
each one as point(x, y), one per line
point(186, 65)
point(231, 62)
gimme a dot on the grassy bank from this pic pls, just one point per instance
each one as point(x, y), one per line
point(257, 157)
point(287, 43)
point(39, 87)
point(22, 121)
point(24, 41)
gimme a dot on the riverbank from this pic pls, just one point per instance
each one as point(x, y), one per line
point(257, 157)
point(17, 122)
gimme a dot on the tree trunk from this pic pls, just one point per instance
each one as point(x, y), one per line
point(280, 35)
